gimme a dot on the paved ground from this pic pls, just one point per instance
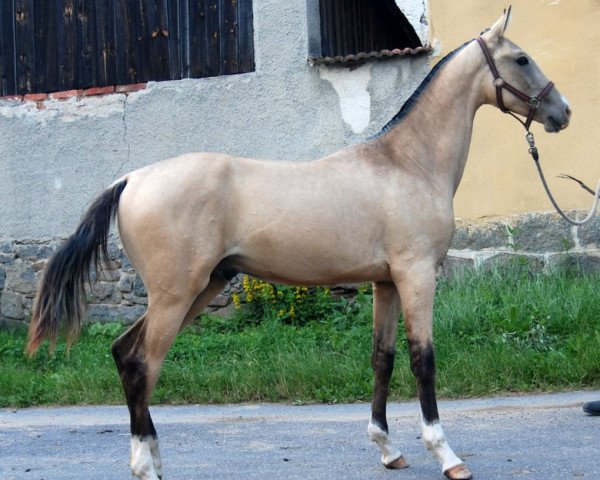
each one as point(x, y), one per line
point(527, 437)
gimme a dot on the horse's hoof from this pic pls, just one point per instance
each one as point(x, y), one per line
point(397, 464)
point(459, 472)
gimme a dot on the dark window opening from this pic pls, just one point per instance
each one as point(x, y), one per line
point(54, 45)
point(354, 30)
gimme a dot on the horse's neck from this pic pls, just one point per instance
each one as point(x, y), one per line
point(436, 134)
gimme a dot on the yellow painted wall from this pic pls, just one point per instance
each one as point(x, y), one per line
point(563, 36)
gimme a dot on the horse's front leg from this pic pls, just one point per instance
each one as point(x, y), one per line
point(386, 310)
point(417, 291)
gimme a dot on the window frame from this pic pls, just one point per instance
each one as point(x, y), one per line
point(57, 45)
point(321, 50)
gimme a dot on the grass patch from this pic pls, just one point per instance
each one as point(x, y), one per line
point(499, 331)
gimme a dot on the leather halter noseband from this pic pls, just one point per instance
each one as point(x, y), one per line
point(499, 82)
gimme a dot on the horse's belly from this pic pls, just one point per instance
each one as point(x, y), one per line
point(307, 263)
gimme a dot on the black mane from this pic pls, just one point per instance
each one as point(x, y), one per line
point(407, 107)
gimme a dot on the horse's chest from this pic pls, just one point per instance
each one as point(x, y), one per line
point(422, 229)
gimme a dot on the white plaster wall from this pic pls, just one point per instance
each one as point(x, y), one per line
point(352, 88)
point(417, 13)
point(54, 161)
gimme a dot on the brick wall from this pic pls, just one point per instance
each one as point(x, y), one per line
point(40, 98)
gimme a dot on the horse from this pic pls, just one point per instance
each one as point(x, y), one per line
point(192, 222)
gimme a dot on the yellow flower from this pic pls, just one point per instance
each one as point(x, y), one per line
point(237, 301)
point(246, 283)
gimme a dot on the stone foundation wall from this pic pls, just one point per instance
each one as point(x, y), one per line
point(543, 239)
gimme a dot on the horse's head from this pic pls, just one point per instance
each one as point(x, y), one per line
point(519, 85)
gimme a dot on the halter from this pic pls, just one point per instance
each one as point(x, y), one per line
point(534, 103)
point(499, 82)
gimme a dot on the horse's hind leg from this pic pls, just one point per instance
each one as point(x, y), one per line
point(216, 284)
point(128, 354)
point(139, 354)
point(417, 290)
point(386, 310)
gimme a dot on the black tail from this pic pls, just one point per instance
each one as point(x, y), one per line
point(61, 295)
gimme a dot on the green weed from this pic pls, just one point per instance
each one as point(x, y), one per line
point(503, 330)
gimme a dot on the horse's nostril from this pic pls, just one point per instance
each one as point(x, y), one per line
point(568, 111)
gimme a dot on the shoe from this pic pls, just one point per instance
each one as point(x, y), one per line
point(592, 408)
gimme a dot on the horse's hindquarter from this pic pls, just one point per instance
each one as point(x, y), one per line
point(172, 216)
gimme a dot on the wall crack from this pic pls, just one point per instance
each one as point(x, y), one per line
point(125, 141)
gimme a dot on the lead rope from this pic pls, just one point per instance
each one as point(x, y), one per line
point(533, 151)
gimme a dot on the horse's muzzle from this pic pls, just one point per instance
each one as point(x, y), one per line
point(568, 111)
point(556, 123)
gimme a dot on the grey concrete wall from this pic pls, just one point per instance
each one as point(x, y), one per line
point(56, 156)
point(56, 159)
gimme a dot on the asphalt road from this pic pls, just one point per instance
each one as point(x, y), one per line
point(524, 437)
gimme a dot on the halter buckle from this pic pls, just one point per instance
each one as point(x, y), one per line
point(534, 102)
point(498, 81)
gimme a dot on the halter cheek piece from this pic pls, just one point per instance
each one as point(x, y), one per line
point(500, 83)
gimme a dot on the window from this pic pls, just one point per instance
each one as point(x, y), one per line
point(55, 45)
point(353, 30)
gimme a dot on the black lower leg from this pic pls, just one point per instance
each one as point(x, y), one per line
point(134, 377)
point(128, 355)
point(422, 362)
point(382, 362)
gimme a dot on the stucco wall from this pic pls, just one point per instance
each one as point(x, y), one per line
point(563, 37)
point(57, 155)
point(56, 159)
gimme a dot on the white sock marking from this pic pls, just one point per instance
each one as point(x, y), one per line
point(435, 442)
point(388, 452)
point(156, 460)
point(142, 463)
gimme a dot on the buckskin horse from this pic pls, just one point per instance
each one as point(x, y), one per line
point(190, 223)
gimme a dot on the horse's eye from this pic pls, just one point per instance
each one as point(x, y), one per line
point(523, 60)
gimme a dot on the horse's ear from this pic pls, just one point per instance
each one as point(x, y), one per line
point(498, 29)
point(507, 18)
